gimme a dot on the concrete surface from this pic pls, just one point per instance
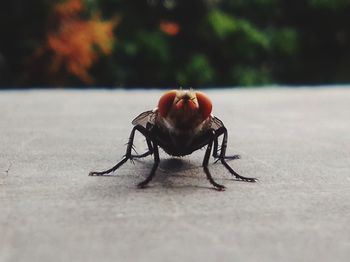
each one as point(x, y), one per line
point(296, 141)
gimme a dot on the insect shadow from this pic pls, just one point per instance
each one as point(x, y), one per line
point(174, 167)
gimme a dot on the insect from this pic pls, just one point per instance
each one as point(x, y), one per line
point(181, 124)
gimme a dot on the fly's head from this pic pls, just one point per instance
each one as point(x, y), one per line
point(184, 109)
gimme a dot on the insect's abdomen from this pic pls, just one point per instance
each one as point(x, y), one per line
point(178, 145)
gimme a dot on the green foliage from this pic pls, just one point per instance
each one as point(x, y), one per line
point(191, 43)
point(225, 25)
point(246, 76)
point(153, 47)
point(284, 40)
point(197, 71)
point(222, 24)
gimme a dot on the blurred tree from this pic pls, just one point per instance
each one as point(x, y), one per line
point(76, 43)
point(178, 42)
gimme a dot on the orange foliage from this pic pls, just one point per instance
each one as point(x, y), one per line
point(102, 33)
point(77, 43)
point(169, 28)
point(69, 8)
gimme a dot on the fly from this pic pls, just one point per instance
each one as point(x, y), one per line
point(181, 124)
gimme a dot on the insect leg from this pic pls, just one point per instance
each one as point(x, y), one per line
point(154, 168)
point(216, 154)
point(215, 149)
point(124, 159)
point(147, 153)
point(205, 164)
point(223, 161)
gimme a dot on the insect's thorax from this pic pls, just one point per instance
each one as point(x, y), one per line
point(180, 140)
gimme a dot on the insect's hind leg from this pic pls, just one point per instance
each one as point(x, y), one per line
point(223, 159)
point(125, 158)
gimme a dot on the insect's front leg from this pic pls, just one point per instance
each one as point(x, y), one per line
point(218, 133)
point(211, 137)
point(154, 167)
point(147, 153)
point(125, 157)
point(223, 159)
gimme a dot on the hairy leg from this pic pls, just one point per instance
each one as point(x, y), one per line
point(154, 167)
point(216, 148)
point(223, 161)
point(206, 161)
point(127, 155)
point(147, 153)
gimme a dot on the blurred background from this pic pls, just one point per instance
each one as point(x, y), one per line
point(169, 43)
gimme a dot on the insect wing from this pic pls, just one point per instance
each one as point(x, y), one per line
point(216, 123)
point(144, 118)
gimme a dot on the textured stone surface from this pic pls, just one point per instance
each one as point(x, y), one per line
point(296, 141)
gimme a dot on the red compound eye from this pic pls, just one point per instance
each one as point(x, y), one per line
point(205, 105)
point(165, 102)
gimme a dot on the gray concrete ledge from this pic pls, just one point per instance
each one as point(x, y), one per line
point(296, 141)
